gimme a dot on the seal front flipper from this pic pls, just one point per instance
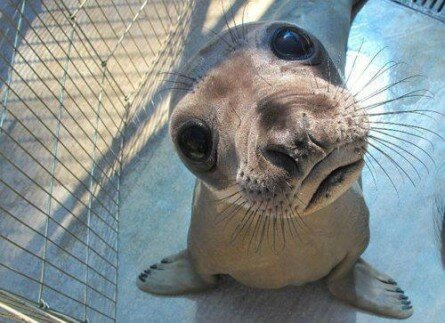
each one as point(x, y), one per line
point(363, 286)
point(172, 276)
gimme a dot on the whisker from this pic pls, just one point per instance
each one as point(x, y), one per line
point(384, 171)
point(261, 77)
point(370, 170)
point(231, 47)
point(241, 224)
point(409, 142)
point(283, 228)
point(291, 220)
point(386, 143)
point(178, 82)
point(233, 213)
point(397, 165)
point(234, 204)
point(387, 87)
point(242, 22)
point(422, 112)
point(406, 126)
point(263, 229)
point(353, 64)
point(250, 220)
point(253, 236)
point(377, 74)
point(174, 88)
point(274, 228)
point(226, 197)
point(232, 36)
point(329, 75)
point(411, 94)
point(234, 24)
point(406, 151)
point(369, 64)
point(264, 232)
point(178, 74)
point(404, 132)
point(298, 214)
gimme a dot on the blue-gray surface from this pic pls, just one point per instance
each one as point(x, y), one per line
point(405, 230)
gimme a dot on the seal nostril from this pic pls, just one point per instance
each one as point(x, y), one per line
point(279, 157)
point(300, 145)
point(316, 141)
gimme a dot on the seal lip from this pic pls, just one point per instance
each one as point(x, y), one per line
point(332, 182)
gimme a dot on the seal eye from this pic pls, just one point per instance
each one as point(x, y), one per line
point(290, 43)
point(195, 141)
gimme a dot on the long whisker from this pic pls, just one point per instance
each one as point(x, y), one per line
point(232, 205)
point(174, 88)
point(239, 228)
point(226, 197)
point(411, 94)
point(234, 24)
point(298, 214)
point(178, 74)
point(242, 22)
point(263, 229)
point(369, 64)
point(387, 87)
point(384, 171)
point(178, 82)
point(223, 39)
point(250, 220)
point(233, 213)
point(229, 29)
point(404, 132)
point(408, 142)
point(264, 232)
point(377, 74)
point(422, 112)
point(367, 161)
point(387, 143)
point(395, 163)
point(405, 150)
point(407, 126)
point(256, 230)
point(353, 64)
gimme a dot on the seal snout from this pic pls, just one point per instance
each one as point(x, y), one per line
point(290, 149)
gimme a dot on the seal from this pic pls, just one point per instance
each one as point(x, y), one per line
point(277, 144)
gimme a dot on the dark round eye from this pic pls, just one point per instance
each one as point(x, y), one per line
point(195, 141)
point(289, 43)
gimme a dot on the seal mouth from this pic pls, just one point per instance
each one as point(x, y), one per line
point(335, 183)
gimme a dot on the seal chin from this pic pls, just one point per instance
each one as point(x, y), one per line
point(333, 185)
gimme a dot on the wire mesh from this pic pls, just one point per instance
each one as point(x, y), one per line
point(79, 94)
point(432, 8)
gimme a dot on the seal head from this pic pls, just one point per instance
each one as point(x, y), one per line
point(269, 120)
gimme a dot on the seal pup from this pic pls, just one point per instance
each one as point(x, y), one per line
point(277, 143)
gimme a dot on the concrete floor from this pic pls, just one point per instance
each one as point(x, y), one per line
point(405, 231)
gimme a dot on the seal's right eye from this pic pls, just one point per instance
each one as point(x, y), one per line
point(290, 43)
point(195, 141)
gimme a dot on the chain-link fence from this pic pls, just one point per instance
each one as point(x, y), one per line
point(79, 83)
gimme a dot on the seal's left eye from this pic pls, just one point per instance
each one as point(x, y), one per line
point(195, 141)
point(290, 43)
